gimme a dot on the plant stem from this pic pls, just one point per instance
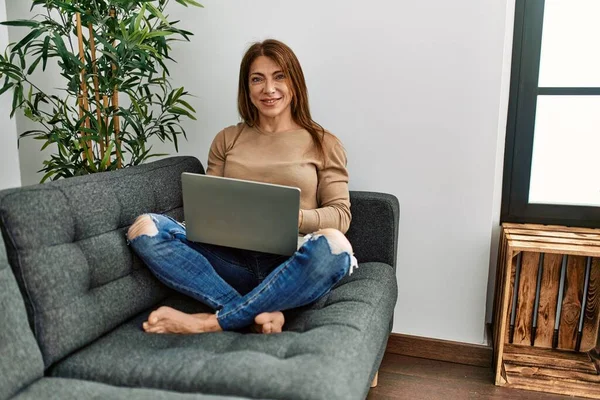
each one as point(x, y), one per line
point(115, 104)
point(62, 17)
point(83, 100)
point(105, 138)
point(96, 85)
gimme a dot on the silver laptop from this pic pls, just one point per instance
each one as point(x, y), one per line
point(241, 214)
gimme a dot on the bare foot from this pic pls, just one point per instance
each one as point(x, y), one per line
point(169, 320)
point(269, 322)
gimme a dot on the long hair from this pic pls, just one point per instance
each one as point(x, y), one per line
point(290, 66)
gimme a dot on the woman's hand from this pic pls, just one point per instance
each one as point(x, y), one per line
point(299, 218)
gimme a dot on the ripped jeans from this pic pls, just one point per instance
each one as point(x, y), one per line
point(240, 284)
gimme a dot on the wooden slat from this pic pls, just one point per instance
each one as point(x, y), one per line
point(511, 287)
point(527, 288)
point(580, 389)
point(502, 318)
point(551, 373)
point(498, 291)
point(535, 357)
point(571, 304)
point(552, 240)
point(555, 248)
point(591, 321)
point(548, 298)
point(555, 234)
point(595, 357)
point(553, 228)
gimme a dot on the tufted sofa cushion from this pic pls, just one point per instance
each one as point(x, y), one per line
point(22, 367)
point(71, 389)
point(66, 243)
point(326, 352)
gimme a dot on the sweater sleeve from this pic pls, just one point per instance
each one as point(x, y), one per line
point(332, 194)
point(217, 155)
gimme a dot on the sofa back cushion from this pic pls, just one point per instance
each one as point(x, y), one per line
point(20, 357)
point(66, 244)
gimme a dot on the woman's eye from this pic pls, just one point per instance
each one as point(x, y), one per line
point(280, 77)
point(255, 79)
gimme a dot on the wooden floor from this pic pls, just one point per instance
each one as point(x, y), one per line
point(402, 377)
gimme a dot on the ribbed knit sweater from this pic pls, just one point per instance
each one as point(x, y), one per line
point(288, 158)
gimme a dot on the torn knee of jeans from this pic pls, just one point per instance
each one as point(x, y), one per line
point(143, 225)
point(338, 244)
point(337, 241)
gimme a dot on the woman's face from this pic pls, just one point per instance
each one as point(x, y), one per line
point(268, 88)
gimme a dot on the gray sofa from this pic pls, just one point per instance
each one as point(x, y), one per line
point(73, 327)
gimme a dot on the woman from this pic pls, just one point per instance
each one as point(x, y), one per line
point(278, 142)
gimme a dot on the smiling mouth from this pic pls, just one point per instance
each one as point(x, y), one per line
point(270, 101)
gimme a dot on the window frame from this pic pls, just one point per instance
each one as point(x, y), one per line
point(524, 90)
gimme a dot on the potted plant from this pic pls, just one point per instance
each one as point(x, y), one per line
point(117, 92)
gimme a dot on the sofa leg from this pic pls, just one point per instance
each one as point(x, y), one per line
point(374, 383)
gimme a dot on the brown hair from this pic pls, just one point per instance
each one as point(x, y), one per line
point(286, 59)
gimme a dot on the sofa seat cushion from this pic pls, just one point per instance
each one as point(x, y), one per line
point(72, 389)
point(328, 350)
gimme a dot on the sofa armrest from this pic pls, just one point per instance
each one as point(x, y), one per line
point(373, 231)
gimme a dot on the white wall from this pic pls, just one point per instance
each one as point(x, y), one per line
point(10, 174)
point(502, 122)
point(415, 90)
point(30, 154)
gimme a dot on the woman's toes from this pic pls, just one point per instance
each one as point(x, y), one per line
point(152, 318)
point(263, 318)
point(155, 329)
point(270, 322)
point(267, 328)
point(159, 314)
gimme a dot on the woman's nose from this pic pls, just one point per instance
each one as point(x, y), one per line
point(269, 86)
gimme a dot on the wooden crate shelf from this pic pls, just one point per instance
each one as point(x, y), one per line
point(550, 273)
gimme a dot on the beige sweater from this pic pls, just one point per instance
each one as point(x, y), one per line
point(290, 159)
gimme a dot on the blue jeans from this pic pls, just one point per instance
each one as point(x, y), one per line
point(239, 284)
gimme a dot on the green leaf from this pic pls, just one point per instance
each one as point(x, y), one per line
point(31, 133)
point(109, 55)
point(156, 12)
point(140, 17)
point(148, 48)
point(61, 49)
point(106, 156)
point(194, 3)
point(107, 45)
point(157, 34)
point(15, 101)
point(174, 137)
point(67, 6)
point(190, 2)
point(45, 52)
point(181, 111)
point(34, 65)
point(21, 22)
point(156, 155)
point(186, 104)
point(48, 175)
point(32, 35)
point(13, 76)
point(6, 87)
